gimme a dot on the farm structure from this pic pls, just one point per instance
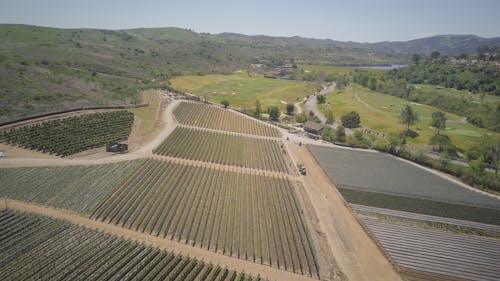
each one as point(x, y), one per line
point(71, 135)
point(223, 148)
point(314, 128)
point(248, 216)
point(216, 118)
point(49, 249)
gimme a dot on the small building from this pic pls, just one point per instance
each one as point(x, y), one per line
point(313, 127)
point(3, 153)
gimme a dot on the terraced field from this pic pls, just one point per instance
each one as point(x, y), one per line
point(77, 188)
point(216, 118)
point(39, 248)
point(71, 135)
point(248, 216)
point(225, 149)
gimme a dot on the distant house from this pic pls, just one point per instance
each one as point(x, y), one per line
point(313, 127)
point(3, 153)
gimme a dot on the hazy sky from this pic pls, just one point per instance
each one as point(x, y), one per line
point(355, 20)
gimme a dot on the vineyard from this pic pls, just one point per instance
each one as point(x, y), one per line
point(212, 117)
point(71, 135)
point(78, 188)
point(39, 248)
point(221, 148)
point(251, 217)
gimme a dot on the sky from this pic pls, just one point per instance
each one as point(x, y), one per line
point(344, 20)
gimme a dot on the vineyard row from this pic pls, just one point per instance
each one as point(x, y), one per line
point(212, 117)
point(248, 216)
point(225, 149)
point(39, 248)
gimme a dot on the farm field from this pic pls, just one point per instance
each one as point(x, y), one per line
point(421, 206)
point(247, 216)
point(242, 90)
point(380, 112)
point(77, 188)
point(71, 135)
point(394, 177)
point(41, 248)
point(216, 118)
point(457, 255)
point(223, 148)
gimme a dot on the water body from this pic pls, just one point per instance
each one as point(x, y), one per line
point(383, 67)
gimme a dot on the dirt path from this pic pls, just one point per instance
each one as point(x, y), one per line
point(202, 254)
point(145, 151)
point(357, 255)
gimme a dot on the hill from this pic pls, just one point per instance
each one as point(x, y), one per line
point(445, 44)
point(45, 69)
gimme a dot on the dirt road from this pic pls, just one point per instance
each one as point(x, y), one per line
point(355, 252)
point(266, 272)
point(145, 151)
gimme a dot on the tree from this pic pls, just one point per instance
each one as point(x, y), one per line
point(329, 117)
point(274, 113)
point(225, 103)
point(258, 109)
point(373, 83)
point(435, 55)
point(327, 134)
point(408, 117)
point(351, 120)
point(321, 99)
point(340, 134)
point(438, 121)
point(442, 143)
point(289, 108)
point(415, 58)
point(301, 118)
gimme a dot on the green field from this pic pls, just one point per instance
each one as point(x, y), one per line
point(77, 188)
point(247, 216)
point(458, 93)
point(242, 90)
point(216, 118)
point(223, 148)
point(35, 247)
point(380, 112)
point(71, 135)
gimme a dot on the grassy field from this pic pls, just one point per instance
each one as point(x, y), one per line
point(49, 249)
point(212, 117)
point(381, 112)
point(459, 93)
point(242, 90)
point(247, 216)
point(334, 70)
point(225, 149)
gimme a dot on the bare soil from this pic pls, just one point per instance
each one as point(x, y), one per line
point(357, 255)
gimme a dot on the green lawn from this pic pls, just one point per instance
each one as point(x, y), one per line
point(380, 112)
point(242, 90)
point(335, 70)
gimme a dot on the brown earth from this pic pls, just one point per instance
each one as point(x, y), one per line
point(356, 254)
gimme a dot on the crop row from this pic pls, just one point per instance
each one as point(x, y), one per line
point(73, 134)
point(39, 248)
point(249, 216)
point(222, 148)
point(78, 188)
point(212, 117)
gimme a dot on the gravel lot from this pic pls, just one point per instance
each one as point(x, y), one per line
point(365, 170)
